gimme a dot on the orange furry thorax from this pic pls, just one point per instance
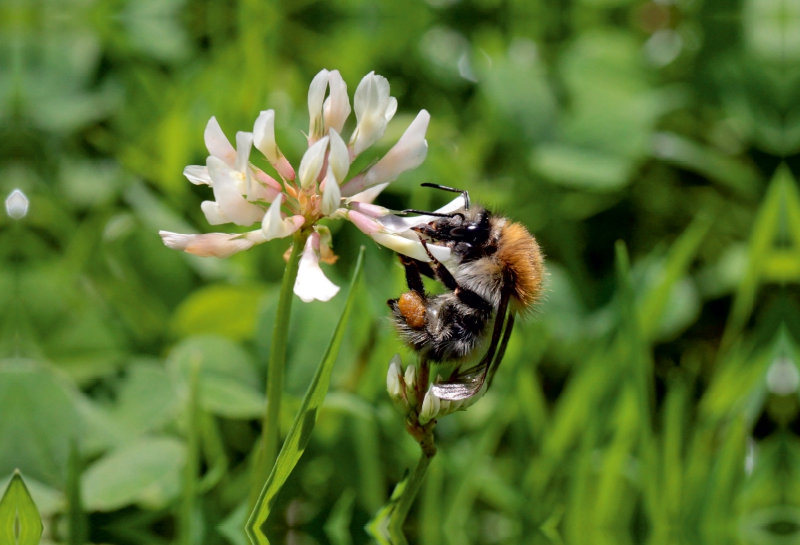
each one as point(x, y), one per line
point(523, 262)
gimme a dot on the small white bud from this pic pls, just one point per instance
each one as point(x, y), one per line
point(17, 204)
point(782, 376)
point(411, 376)
point(430, 407)
point(393, 378)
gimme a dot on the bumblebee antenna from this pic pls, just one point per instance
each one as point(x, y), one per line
point(464, 192)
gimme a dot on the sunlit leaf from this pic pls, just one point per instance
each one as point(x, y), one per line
point(20, 522)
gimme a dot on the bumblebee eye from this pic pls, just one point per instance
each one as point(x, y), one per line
point(468, 231)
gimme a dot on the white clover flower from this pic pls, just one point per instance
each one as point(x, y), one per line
point(17, 204)
point(245, 195)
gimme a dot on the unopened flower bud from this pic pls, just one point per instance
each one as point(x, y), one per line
point(17, 204)
point(393, 385)
point(430, 407)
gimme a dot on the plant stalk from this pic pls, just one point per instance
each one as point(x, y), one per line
point(270, 433)
point(400, 512)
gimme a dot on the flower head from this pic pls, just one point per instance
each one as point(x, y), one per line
point(246, 195)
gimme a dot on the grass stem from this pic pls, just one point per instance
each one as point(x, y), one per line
point(270, 435)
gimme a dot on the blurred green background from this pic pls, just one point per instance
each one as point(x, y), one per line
point(652, 403)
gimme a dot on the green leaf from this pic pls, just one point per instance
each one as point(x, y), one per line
point(20, 522)
point(229, 384)
point(145, 472)
point(37, 422)
point(296, 441)
point(220, 309)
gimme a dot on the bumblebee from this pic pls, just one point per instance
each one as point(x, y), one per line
point(495, 272)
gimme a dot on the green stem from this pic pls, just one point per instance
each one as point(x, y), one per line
point(270, 434)
point(406, 499)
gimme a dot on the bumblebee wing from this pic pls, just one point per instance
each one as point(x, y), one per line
point(469, 382)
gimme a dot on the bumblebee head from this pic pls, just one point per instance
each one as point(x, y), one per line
point(465, 231)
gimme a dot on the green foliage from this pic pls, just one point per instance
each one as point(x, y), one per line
point(651, 147)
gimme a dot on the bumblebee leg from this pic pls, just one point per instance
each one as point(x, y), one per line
point(466, 296)
point(413, 274)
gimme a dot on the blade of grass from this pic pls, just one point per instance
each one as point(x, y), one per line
point(20, 522)
point(680, 257)
point(77, 518)
point(765, 229)
point(640, 367)
point(191, 468)
point(299, 434)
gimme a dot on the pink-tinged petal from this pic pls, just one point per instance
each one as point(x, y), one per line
point(409, 247)
point(197, 174)
point(316, 95)
point(372, 105)
point(211, 244)
point(369, 195)
point(213, 212)
point(311, 282)
point(264, 140)
point(409, 152)
point(331, 196)
point(311, 163)
point(339, 157)
point(337, 106)
point(371, 210)
point(365, 224)
point(244, 142)
point(228, 195)
point(263, 187)
point(218, 144)
point(275, 226)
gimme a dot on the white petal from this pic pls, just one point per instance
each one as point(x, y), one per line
point(331, 196)
point(369, 195)
point(408, 153)
point(411, 248)
point(311, 282)
point(311, 164)
point(218, 144)
point(17, 204)
point(264, 140)
point(273, 226)
point(337, 106)
point(372, 103)
point(197, 174)
point(339, 157)
point(228, 195)
point(316, 94)
point(391, 109)
point(211, 244)
point(244, 142)
point(213, 212)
